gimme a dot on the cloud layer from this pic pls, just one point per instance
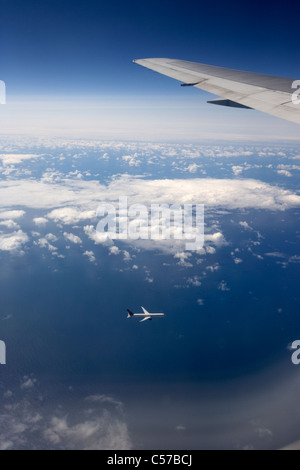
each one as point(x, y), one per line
point(78, 197)
point(87, 423)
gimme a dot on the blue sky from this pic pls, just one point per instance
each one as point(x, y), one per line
point(87, 47)
point(76, 52)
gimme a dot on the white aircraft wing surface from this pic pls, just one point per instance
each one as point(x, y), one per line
point(270, 94)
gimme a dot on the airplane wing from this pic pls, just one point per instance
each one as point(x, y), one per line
point(145, 311)
point(265, 93)
point(145, 319)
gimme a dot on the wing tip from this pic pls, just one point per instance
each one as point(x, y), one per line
point(150, 59)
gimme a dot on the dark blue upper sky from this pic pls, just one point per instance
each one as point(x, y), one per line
point(86, 47)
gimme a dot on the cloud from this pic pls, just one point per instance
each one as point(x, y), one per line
point(194, 281)
point(264, 433)
point(104, 399)
point(71, 215)
point(193, 168)
point(51, 237)
point(73, 238)
point(132, 160)
point(90, 255)
point(276, 254)
point(213, 268)
point(288, 167)
point(286, 173)
point(28, 383)
point(40, 221)
point(10, 224)
point(127, 255)
point(216, 239)
point(237, 170)
point(69, 201)
point(183, 259)
point(223, 286)
point(71, 426)
point(101, 433)
point(245, 225)
point(16, 158)
point(180, 428)
point(97, 237)
point(75, 200)
point(114, 250)
point(44, 243)
point(233, 153)
point(13, 242)
point(11, 214)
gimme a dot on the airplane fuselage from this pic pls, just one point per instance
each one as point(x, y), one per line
point(150, 315)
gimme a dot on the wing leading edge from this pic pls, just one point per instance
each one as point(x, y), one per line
point(272, 95)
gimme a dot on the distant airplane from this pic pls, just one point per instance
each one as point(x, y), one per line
point(273, 95)
point(145, 316)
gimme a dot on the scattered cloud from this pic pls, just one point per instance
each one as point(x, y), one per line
point(180, 428)
point(44, 243)
point(71, 215)
point(237, 170)
point(114, 250)
point(11, 215)
point(104, 399)
point(216, 267)
point(217, 239)
point(16, 158)
point(276, 254)
point(73, 238)
point(51, 237)
point(28, 383)
point(9, 224)
point(132, 160)
point(194, 281)
point(13, 242)
point(183, 259)
point(245, 225)
point(286, 173)
point(40, 221)
point(223, 286)
point(91, 256)
point(193, 168)
point(94, 423)
point(99, 433)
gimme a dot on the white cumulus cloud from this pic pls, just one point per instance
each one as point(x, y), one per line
point(90, 255)
point(11, 214)
point(16, 158)
point(40, 221)
point(73, 238)
point(13, 242)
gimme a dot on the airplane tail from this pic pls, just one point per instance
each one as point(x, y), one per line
point(130, 314)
